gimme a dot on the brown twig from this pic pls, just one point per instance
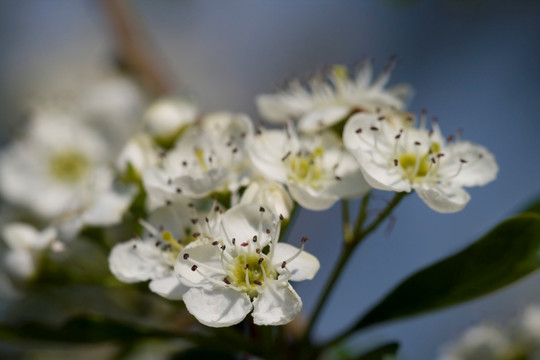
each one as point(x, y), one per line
point(133, 48)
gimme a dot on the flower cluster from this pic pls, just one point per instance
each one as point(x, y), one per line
point(210, 191)
point(492, 342)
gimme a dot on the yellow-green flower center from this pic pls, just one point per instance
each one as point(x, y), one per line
point(68, 166)
point(249, 271)
point(417, 166)
point(305, 168)
point(176, 245)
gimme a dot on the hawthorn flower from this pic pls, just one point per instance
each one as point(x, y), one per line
point(47, 169)
point(152, 257)
point(112, 106)
point(209, 157)
point(241, 268)
point(166, 118)
point(316, 169)
point(138, 154)
point(271, 195)
point(26, 247)
point(490, 342)
point(397, 156)
point(325, 101)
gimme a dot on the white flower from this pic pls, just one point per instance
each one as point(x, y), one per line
point(316, 169)
point(269, 194)
point(139, 153)
point(209, 157)
point(324, 102)
point(153, 256)
point(26, 246)
point(46, 170)
point(489, 342)
point(166, 117)
point(242, 268)
point(398, 157)
point(483, 342)
point(112, 106)
point(102, 202)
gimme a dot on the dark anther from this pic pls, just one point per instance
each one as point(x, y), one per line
point(226, 281)
point(304, 239)
point(268, 231)
point(283, 264)
point(196, 234)
point(358, 131)
point(261, 260)
point(244, 244)
point(194, 267)
point(261, 209)
point(286, 156)
point(257, 282)
point(254, 238)
point(194, 221)
point(396, 162)
point(186, 256)
point(463, 161)
point(374, 128)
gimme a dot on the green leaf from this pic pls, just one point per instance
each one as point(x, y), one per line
point(53, 307)
point(505, 255)
point(533, 207)
point(383, 352)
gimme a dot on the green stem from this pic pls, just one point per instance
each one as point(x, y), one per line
point(347, 234)
point(342, 261)
point(362, 215)
point(348, 250)
point(359, 236)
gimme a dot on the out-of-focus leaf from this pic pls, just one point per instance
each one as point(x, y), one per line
point(202, 354)
point(533, 207)
point(55, 306)
point(383, 352)
point(503, 256)
point(76, 331)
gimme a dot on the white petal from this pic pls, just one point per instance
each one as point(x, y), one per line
point(303, 267)
point(23, 236)
point(20, 263)
point(109, 206)
point(271, 107)
point(167, 116)
point(157, 189)
point(134, 261)
point(217, 308)
point(169, 287)
point(266, 152)
point(443, 199)
point(201, 252)
point(322, 118)
point(270, 195)
point(139, 152)
point(276, 304)
point(198, 187)
point(242, 222)
point(311, 199)
point(480, 167)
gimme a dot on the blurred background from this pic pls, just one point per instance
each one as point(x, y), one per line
point(473, 64)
